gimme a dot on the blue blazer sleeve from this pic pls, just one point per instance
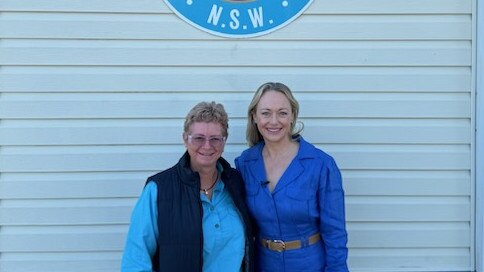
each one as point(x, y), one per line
point(332, 218)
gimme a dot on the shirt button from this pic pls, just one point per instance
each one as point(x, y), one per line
point(217, 226)
point(212, 209)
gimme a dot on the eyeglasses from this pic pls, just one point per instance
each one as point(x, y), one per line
point(200, 140)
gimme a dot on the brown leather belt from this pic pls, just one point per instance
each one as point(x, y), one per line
point(280, 246)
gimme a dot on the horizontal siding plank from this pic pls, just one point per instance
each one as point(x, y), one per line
point(407, 209)
point(61, 242)
point(373, 27)
point(410, 259)
point(91, 6)
point(74, 185)
point(175, 106)
point(94, 109)
point(398, 158)
point(71, 189)
point(66, 256)
point(317, 7)
point(411, 238)
point(114, 241)
point(247, 53)
point(118, 132)
point(389, 7)
point(151, 158)
point(94, 214)
point(230, 79)
point(129, 185)
point(407, 183)
point(69, 162)
point(396, 131)
point(155, 26)
point(370, 259)
point(99, 261)
point(92, 135)
point(358, 209)
point(62, 265)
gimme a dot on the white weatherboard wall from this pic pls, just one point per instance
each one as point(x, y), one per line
point(93, 95)
point(480, 140)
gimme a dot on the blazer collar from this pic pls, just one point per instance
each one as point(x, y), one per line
point(294, 170)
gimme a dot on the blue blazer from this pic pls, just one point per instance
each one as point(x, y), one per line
point(307, 199)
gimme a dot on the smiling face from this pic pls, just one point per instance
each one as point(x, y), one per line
point(273, 117)
point(206, 154)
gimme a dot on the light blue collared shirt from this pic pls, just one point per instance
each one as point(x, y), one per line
point(223, 232)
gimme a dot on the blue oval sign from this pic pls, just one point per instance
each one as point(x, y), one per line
point(238, 18)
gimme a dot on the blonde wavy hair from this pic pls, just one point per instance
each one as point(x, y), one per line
point(253, 135)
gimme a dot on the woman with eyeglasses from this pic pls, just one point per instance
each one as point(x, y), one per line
point(294, 190)
point(192, 216)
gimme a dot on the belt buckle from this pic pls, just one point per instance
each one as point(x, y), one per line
point(276, 245)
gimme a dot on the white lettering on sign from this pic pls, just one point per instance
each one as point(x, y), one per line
point(256, 17)
point(234, 23)
point(238, 18)
point(214, 15)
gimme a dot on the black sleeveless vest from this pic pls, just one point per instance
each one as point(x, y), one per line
point(180, 213)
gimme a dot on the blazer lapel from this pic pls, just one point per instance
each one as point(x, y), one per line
point(290, 175)
point(257, 170)
point(256, 165)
